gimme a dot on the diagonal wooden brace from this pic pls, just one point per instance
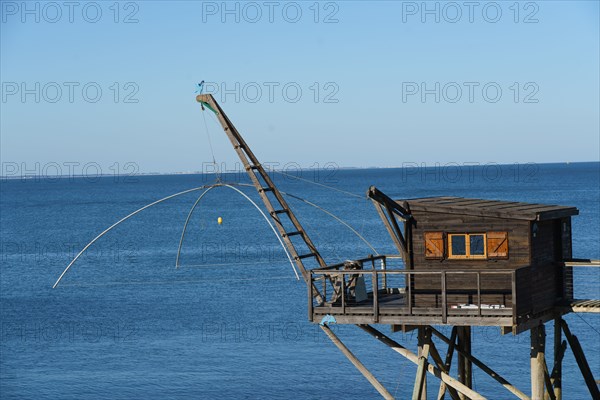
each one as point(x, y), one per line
point(356, 362)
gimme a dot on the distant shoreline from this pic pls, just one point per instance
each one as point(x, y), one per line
point(346, 168)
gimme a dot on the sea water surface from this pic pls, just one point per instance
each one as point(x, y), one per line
point(231, 322)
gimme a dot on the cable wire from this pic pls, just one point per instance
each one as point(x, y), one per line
point(587, 323)
point(214, 161)
point(320, 184)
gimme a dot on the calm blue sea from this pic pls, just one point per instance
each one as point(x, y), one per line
point(231, 322)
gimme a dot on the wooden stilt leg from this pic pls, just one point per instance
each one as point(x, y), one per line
point(464, 364)
point(560, 347)
point(581, 361)
point(493, 374)
point(557, 370)
point(549, 393)
point(468, 365)
point(558, 357)
point(420, 388)
point(538, 342)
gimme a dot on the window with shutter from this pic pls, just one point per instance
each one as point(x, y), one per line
point(467, 246)
point(434, 245)
point(497, 244)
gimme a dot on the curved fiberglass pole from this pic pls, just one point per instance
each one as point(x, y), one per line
point(117, 223)
point(187, 220)
point(255, 206)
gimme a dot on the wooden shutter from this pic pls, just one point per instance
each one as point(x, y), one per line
point(497, 244)
point(434, 245)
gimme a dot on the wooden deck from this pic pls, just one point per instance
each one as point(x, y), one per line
point(585, 306)
point(367, 292)
point(366, 296)
point(582, 305)
point(394, 309)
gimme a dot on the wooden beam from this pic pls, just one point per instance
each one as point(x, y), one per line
point(400, 245)
point(448, 361)
point(435, 355)
point(540, 319)
point(505, 330)
point(253, 166)
point(403, 328)
point(356, 362)
point(484, 367)
point(549, 388)
point(582, 262)
point(581, 361)
point(559, 351)
point(538, 343)
point(420, 387)
point(465, 368)
point(555, 376)
point(451, 346)
point(409, 355)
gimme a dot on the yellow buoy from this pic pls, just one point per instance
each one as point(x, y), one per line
point(219, 220)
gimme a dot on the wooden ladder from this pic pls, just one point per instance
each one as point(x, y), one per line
point(276, 205)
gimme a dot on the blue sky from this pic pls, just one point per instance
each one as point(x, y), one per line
point(355, 83)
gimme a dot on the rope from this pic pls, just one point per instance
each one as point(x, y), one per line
point(399, 379)
point(347, 225)
point(214, 161)
point(587, 323)
point(473, 370)
point(321, 184)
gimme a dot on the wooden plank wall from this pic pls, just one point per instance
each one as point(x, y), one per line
point(567, 253)
point(546, 271)
point(538, 286)
point(519, 255)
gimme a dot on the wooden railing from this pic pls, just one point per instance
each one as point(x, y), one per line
point(338, 275)
point(588, 280)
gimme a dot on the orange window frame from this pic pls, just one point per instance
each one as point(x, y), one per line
point(467, 255)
